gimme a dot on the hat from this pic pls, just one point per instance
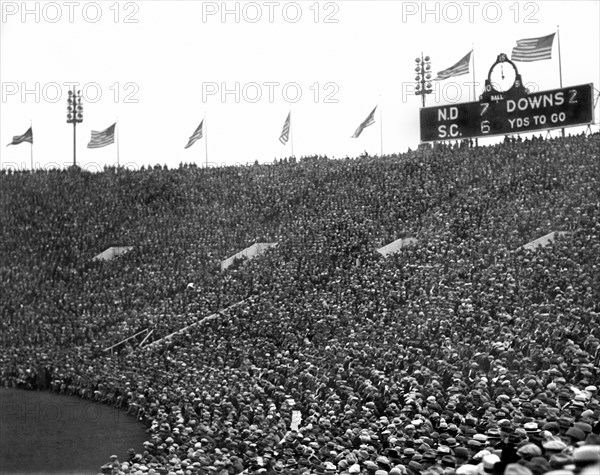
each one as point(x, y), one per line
point(538, 465)
point(488, 463)
point(505, 425)
point(554, 446)
point(564, 422)
point(414, 467)
point(586, 454)
point(278, 467)
point(443, 449)
point(516, 469)
point(532, 428)
point(551, 426)
point(461, 452)
point(583, 426)
point(576, 434)
point(559, 460)
point(529, 450)
point(520, 433)
point(474, 444)
point(591, 469)
point(467, 469)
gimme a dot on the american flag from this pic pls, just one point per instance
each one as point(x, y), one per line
point(370, 120)
point(460, 68)
point(285, 132)
point(104, 138)
point(533, 49)
point(197, 135)
point(26, 137)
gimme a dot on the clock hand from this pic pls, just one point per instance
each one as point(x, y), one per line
point(502, 70)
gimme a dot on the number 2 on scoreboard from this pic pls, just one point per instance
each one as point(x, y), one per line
point(572, 96)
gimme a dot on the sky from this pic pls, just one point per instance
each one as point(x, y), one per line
point(158, 68)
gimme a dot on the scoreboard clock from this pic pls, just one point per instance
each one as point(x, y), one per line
point(503, 81)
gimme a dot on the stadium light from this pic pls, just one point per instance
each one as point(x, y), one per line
point(74, 116)
point(423, 78)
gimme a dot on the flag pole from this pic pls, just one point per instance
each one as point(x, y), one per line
point(291, 131)
point(473, 55)
point(380, 129)
point(74, 142)
point(31, 148)
point(205, 141)
point(559, 66)
point(117, 132)
point(559, 58)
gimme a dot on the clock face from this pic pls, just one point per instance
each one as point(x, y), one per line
point(503, 76)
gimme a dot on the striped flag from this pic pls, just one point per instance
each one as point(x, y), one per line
point(533, 49)
point(197, 135)
point(26, 137)
point(104, 138)
point(460, 68)
point(370, 120)
point(285, 132)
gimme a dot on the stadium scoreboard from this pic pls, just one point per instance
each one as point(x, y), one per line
point(508, 110)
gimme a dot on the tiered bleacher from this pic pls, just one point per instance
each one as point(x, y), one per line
point(461, 354)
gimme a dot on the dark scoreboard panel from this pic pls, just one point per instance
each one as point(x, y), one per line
point(556, 108)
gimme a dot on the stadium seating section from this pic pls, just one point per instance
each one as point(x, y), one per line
point(416, 363)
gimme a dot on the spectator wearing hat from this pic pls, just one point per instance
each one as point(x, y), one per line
point(585, 456)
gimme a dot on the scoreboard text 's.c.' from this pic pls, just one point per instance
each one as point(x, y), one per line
point(556, 108)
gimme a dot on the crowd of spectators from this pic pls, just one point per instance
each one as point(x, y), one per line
point(464, 354)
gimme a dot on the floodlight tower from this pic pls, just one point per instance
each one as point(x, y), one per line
point(423, 77)
point(74, 116)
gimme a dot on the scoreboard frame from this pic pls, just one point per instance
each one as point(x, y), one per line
point(514, 114)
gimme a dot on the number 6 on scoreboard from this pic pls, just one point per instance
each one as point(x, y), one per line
point(485, 127)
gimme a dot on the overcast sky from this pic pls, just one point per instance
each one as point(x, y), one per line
point(158, 67)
